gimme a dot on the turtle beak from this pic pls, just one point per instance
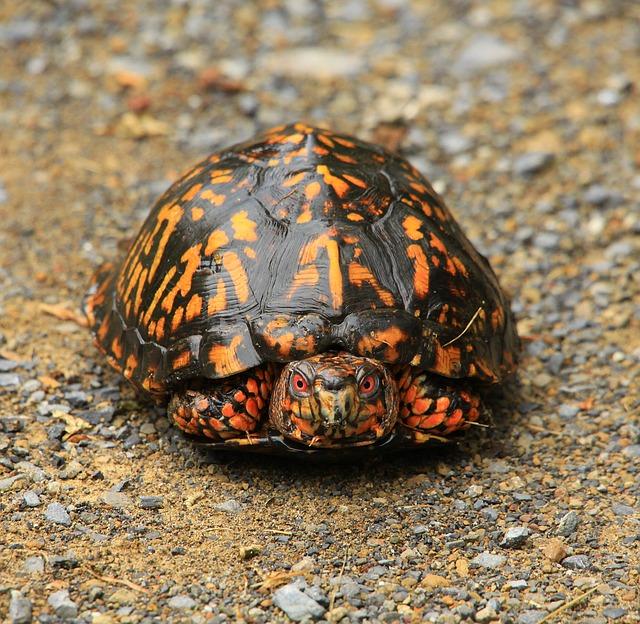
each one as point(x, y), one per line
point(337, 407)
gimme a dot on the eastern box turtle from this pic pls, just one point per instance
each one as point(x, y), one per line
point(305, 291)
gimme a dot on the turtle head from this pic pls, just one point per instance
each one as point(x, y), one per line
point(334, 399)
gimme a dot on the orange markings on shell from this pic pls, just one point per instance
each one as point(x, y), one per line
point(215, 198)
point(344, 142)
point(158, 294)
point(338, 184)
point(446, 359)
point(191, 193)
point(412, 225)
point(192, 258)
point(225, 357)
point(217, 239)
point(197, 213)
point(312, 189)
point(359, 275)
point(116, 347)
point(390, 337)
point(420, 270)
point(130, 366)
point(354, 180)
point(294, 179)
point(218, 302)
point(306, 276)
point(176, 320)
point(244, 229)
point(194, 307)
point(181, 360)
point(170, 215)
point(233, 265)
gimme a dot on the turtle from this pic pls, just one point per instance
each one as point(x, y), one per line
point(305, 291)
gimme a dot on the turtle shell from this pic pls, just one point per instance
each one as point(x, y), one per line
point(293, 244)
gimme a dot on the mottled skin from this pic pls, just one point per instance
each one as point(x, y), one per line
point(300, 243)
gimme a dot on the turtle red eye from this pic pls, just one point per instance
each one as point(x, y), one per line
point(369, 385)
point(299, 385)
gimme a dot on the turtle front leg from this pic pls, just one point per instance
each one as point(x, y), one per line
point(432, 406)
point(225, 408)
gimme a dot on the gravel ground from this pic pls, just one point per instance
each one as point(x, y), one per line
point(524, 114)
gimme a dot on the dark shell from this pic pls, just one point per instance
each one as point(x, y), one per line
point(302, 241)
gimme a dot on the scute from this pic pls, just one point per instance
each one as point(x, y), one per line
point(297, 243)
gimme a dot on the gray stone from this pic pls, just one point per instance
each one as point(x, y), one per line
point(63, 606)
point(614, 613)
point(151, 502)
point(182, 602)
point(531, 616)
point(567, 411)
point(482, 52)
point(35, 473)
point(33, 565)
point(531, 163)
point(67, 561)
point(7, 484)
point(487, 614)
point(518, 584)
point(118, 500)
point(31, 499)
point(633, 451)
point(599, 195)
point(19, 608)
point(57, 514)
point(296, 604)
point(568, 524)
point(621, 509)
point(576, 562)
point(515, 537)
point(488, 560)
point(231, 506)
point(454, 143)
point(9, 380)
point(322, 63)
point(7, 365)
point(12, 424)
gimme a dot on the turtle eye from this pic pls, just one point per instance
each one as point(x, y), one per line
point(369, 385)
point(299, 385)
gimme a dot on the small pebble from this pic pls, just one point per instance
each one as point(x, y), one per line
point(296, 604)
point(182, 602)
point(532, 163)
point(19, 608)
point(488, 560)
point(576, 562)
point(230, 506)
point(568, 524)
point(63, 606)
point(515, 537)
point(57, 514)
point(151, 502)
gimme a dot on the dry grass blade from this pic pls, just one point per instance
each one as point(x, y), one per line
point(117, 581)
point(60, 311)
point(335, 589)
point(465, 330)
point(275, 579)
point(567, 605)
point(539, 429)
